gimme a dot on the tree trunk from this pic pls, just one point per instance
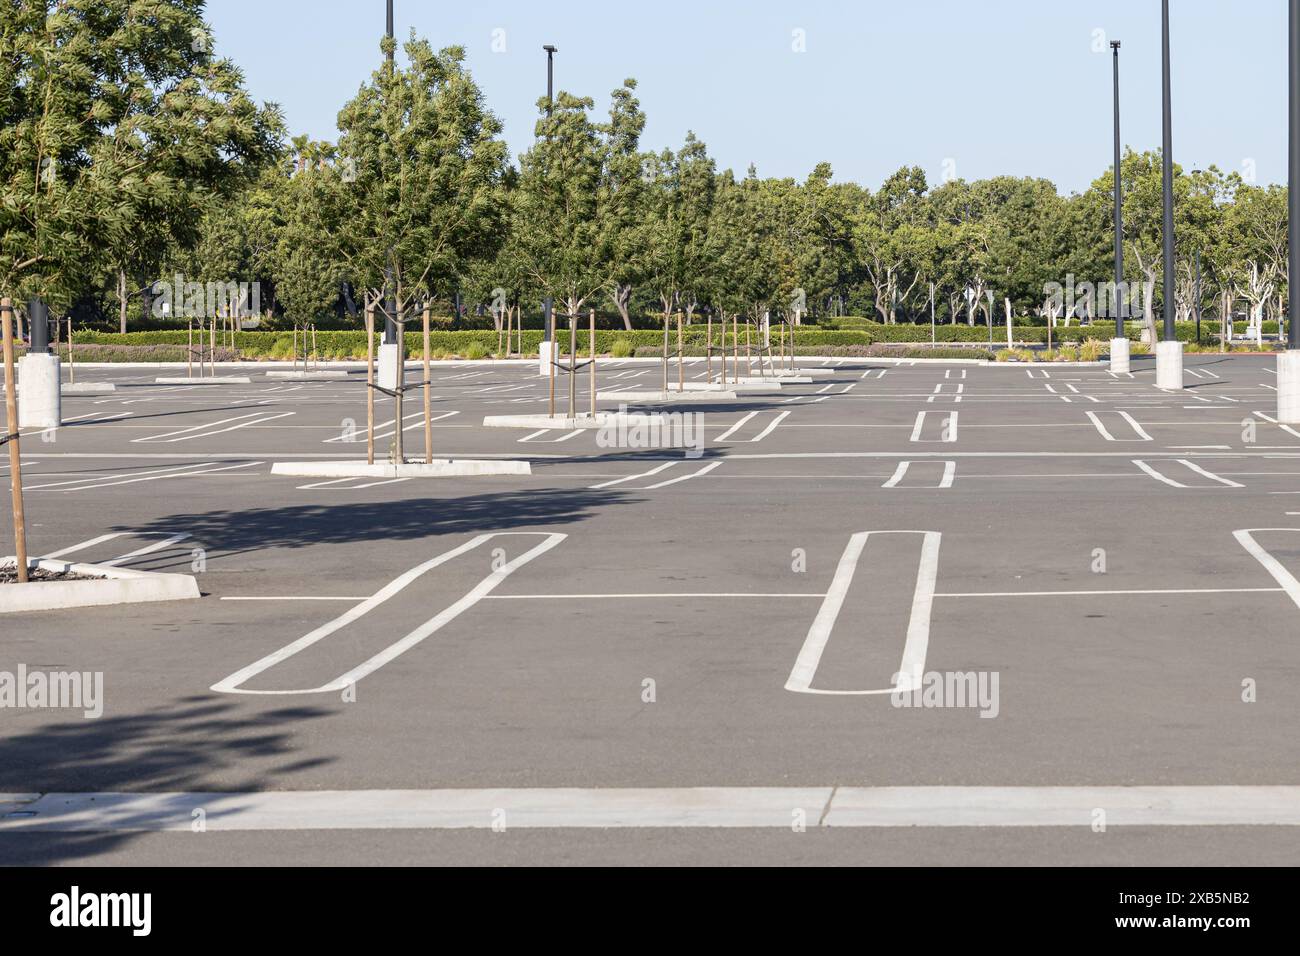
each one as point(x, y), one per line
point(622, 296)
point(121, 299)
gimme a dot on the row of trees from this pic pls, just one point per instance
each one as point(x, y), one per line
point(130, 153)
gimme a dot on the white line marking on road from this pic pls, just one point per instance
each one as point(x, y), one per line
point(1272, 565)
point(1213, 477)
point(949, 433)
point(296, 597)
point(695, 474)
point(231, 684)
point(1285, 428)
point(1133, 423)
point(168, 539)
point(1156, 475)
point(771, 427)
point(949, 471)
point(652, 595)
point(1104, 593)
point(736, 427)
point(912, 668)
point(249, 421)
point(643, 474)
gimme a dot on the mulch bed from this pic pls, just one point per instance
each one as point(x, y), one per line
point(9, 575)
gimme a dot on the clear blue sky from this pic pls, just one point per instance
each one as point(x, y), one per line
point(994, 86)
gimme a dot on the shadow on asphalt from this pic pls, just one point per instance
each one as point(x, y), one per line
point(230, 532)
point(183, 747)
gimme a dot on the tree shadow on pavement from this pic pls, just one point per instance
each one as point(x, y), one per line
point(194, 744)
point(229, 532)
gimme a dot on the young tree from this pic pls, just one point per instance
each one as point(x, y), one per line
point(417, 190)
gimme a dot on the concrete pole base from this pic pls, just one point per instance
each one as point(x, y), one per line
point(40, 402)
point(1169, 365)
point(1288, 387)
point(1119, 355)
point(386, 367)
point(545, 356)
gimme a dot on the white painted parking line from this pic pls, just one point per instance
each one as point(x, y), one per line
point(767, 430)
point(536, 437)
point(912, 668)
point(168, 539)
point(643, 474)
point(695, 474)
point(1288, 582)
point(1156, 475)
point(949, 471)
point(1191, 466)
point(1286, 428)
point(1213, 477)
point(948, 434)
point(939, 392)
point(1113, 592)
point(1095, 418)
point(190, 434)
point(232, 684)
point(191, 470)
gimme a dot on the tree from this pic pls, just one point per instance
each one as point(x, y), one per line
point(561, 233)
point(417, 184)
point(118, 124)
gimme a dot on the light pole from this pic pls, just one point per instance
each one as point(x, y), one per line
point(1119, 347)
point(1169, 351)
point(1288, 362)
point(551, 50)
point(390, 323)
point(547, 357)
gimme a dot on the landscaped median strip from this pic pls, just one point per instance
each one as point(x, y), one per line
point(438, 468)
point(754, 807)
point(94, 585)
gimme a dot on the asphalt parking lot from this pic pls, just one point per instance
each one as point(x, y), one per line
point(1117, 563)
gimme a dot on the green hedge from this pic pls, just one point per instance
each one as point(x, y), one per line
point(1099, 329)
point(352, 344)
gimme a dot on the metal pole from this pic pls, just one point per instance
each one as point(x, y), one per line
point(399, 441)
point(1197, 303)
point(11, 429)
point(1117, 299)
point(390, 325)
point(1293, 179)
point(428, 405)
point(573, 365)
point(1167, 175)
point(708, 345)
point(932, 329)
point(681, 357)
point(370, 384)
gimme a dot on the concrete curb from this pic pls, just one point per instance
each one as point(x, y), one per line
point(317, 375)
point(601, 420)
point(211, 380)
point(87, 388)
point(113, 586)
point(440, 468)
point(669, 396)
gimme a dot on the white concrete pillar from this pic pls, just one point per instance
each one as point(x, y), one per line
point(386, 370)
point(1169, 365)
point(39, 401)
point(545, 356)
point(1119, 355)
point(1288, 387)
